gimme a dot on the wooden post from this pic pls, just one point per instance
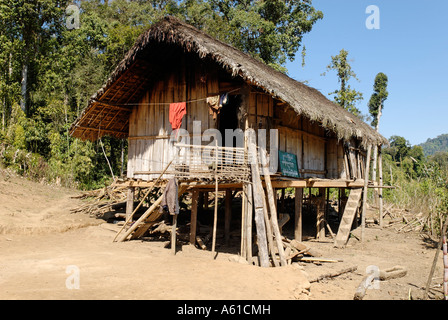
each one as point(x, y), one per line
point(272, 207)
point(298, 214)
point(364, 197)
point(258, 203)
point(194, 216)
point(269, 234)
point(320, 223)
point(243, 220)
point(173, 235)
point(206, 200)
point(130, 202)
point(249, 215)
point(380, 190)
point(215, 216)
point(228, 215)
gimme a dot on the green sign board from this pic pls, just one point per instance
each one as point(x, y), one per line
point(288, 164)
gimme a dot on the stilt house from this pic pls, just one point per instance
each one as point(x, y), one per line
point(179, 82)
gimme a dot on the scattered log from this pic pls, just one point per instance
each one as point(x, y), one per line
point(201, 243)
point(393, 273)
point(300, 246)
point(382, 275)
point(333, 275)
point(312, 259)
point(362, 288)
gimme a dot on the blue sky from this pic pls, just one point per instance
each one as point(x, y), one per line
point(411, 48)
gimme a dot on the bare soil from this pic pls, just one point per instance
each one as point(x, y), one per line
point(40, 240)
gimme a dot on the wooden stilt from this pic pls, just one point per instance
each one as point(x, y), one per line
point(243, 220)
point(215, 216)
point(228, 216)
point(249, 217)
point(380, 190)
point(130, 202)
point(206, 200)
point(194, 215)
point(364, 197)
point(298, 214)
point(320, 223)
point(173, 235)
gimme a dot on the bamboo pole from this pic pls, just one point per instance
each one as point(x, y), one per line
point(364, 198)
point(215, 216)
point(269, 234)
point(272, 208)
point(436, 257)
point(380, 190)
point(258, 203)
point(445, 265)
point(249, 216)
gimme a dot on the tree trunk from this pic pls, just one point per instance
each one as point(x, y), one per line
point(24, 87)
point(375, 151)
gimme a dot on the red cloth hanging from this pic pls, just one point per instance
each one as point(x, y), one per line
point(177, 112)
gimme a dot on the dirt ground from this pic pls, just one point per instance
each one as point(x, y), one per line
point(46, 251)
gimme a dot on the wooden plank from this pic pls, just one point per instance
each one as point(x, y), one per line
point(228, 216)
point(272, 207)
point(129, 202)
point(320, 224)
point(258, 204)
point(141, 219)
point(298, 214)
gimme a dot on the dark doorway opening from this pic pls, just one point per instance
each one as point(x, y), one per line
point(228, 119)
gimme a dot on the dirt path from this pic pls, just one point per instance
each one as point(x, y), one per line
point(43, 246)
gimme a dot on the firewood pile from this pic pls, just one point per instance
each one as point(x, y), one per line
point(404, 220)
point(99, 201)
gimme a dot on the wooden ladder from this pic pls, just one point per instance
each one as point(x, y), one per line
point(347, 219)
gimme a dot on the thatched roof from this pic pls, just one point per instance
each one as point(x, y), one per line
point(108, 110)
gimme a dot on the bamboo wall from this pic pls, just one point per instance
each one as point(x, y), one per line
point(319, 154)
point(150, 148)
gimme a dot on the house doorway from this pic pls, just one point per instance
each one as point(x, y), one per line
point(228, 119)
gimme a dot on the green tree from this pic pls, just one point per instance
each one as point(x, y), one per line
point(379, 96)
point(52, 71)
point(376, 105)
point(269, 30)
point(345, 96)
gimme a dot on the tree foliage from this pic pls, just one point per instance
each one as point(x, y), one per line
point(270, 30)
point(345, 96)
point(379, 96)
point(48, 71)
